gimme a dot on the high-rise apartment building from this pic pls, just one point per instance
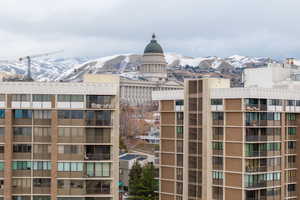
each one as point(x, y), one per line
point(227, 143)
point(59, 141)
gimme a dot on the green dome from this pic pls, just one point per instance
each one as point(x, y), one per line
point(153, 46)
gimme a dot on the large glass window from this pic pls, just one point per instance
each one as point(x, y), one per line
point(41, 97)
point(22, 131)
point(22, 148)
point(22, 165)
point(21, 97)
point(70, 166)
point(216, 102)
point(23, 114)
point(70, 98)
point(2, 114)
point(42, 114)
point(98, 169)
point(70, 114)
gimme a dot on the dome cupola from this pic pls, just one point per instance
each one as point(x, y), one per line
point(153, 46)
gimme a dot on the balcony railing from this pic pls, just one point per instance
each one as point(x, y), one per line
point(98, 122)
point(97, 156)
point(262, 153)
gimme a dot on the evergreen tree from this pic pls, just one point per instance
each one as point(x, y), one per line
point(142, 184)
point(135, 175)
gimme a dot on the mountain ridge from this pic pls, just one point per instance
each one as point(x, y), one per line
point(72, 69)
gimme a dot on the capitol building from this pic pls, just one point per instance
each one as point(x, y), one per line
point(153, 69)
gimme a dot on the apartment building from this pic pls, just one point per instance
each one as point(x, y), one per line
point(59, 141)
point(227, 143)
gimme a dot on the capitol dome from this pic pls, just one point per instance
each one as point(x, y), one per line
point(153, 46)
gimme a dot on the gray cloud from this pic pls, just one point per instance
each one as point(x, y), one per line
point(191, 27)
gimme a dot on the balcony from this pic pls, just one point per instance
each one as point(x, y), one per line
point(291, 179)
point(79, 156)
point(42, 156)
point(42, 138)
point(98, 122)
point(71, 191)
point(42, 173)
point(97, 156)
point(217, 152)
point(21, 173)
point(41, 190)
point(218, 181)
point(291, 194)
point(21, 156)
point(42, 121)
point(22, 139)
point(21, 190)
point(256, 107)
point(262, 153)
point(291, 151)
point(70, 175)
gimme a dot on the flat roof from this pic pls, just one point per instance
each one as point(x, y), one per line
point(58, 88)
point(129, 157)
point(234, 93)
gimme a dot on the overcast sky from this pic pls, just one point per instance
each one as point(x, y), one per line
point(97, 28)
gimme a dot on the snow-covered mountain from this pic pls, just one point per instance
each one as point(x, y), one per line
point(72, 69)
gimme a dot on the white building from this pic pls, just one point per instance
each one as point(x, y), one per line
point(154, 72)
point(275, 75)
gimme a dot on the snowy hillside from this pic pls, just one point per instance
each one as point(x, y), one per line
point(72, 69)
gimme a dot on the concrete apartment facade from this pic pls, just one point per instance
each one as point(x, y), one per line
point(227, 143)
point(59, 141)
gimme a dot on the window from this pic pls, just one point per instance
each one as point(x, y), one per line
point(42, 132)
point(22, 165)
point(1, 165)
point(69, 149)
point(217, 175)
point(291, 103)
point(70, 114)
point(93, 101)
point(291, 187)
point(179, 131)
point(179, 103)
point(22, 148)
point(23, 114)
point(275, 102)
point(21, 198)
point(273, 146)
point(41, 198)
point(22, 131)
point(218, 115)
point(41, 165)
point(291, 116)
point(70, 98)
point(2, 131)
point(217, 146)
point(2, 114)
point(41, 97)
point(292, 131)
point(21, 97)
point(42, 114)
point(216, 102)
point(98, 169)
point(70, 132)
point(291, 144)
point(70, 166)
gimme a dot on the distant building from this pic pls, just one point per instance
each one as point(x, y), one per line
point(222, 143)
point(154, 72)
point(152, 137)
point(126, 163)
point(275, 75)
